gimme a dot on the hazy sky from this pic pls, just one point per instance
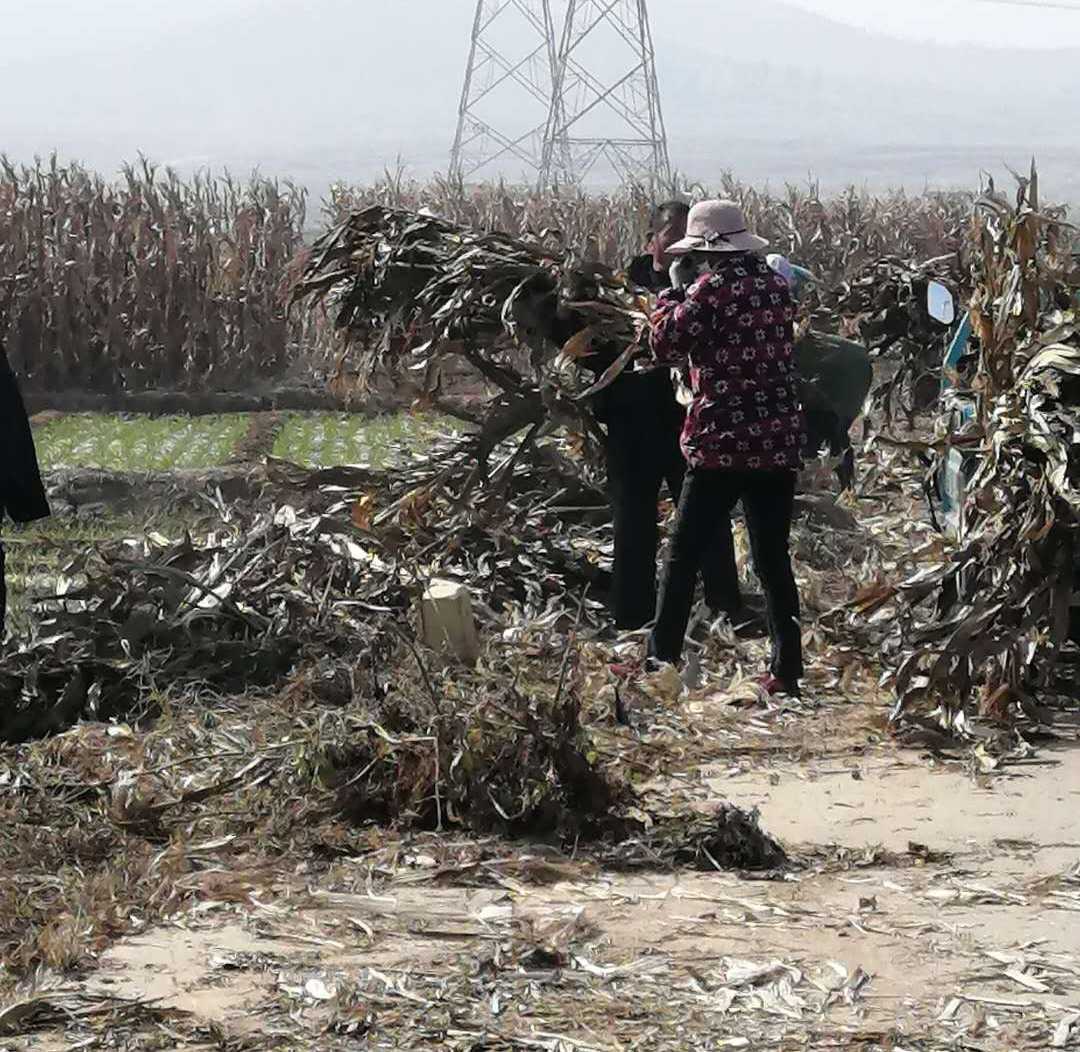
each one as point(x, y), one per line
point(320, 90)
point(49, 26)
point(970, 21)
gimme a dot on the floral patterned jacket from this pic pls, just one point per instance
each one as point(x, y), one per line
point(735, 326)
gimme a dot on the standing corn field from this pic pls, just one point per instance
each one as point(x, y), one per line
point(833, 236)
point(149, 283)
point(155, 283)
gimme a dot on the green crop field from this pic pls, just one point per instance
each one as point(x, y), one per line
point(322, 439)
point(167, 443)
point(144, 443)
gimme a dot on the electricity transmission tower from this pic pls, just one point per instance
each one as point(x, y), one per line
point(508, 89)
point(605, 108)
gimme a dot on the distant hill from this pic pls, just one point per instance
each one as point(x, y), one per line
point(334, 93)
point(786, 92)
point(783, 71)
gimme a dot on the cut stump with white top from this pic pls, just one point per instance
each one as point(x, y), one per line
point(447, 621)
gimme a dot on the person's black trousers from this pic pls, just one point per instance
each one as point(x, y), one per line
point(642, 454)
point(708, 497)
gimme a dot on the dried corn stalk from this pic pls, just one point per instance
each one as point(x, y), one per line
point(983, 633)
point(415, 294)
point(150, 283)
point(884, 306)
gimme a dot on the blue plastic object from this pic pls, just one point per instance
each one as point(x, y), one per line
point(797, 277)
point(957, 349)
point(952, 477)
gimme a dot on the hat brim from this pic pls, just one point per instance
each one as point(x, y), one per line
point(746, 242)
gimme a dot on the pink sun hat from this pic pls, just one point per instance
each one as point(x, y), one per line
point(717, 226)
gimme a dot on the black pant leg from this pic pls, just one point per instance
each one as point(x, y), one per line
point(769, 503)
point(719, 569)
point(634, 489)
point(707, 496)
point(828, 430)
point(843, 449)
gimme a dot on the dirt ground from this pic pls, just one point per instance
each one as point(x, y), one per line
point(931, 905)
point(934, 909)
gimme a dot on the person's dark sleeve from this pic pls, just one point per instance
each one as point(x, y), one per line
point(566, 324)
point(643, 274)
point(22, 495)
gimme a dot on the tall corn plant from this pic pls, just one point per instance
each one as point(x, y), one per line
point(833, 235)
point(151, 282)
point(982, 634)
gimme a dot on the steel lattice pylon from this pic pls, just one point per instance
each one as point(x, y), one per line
point(508, 82)
point(605, 107)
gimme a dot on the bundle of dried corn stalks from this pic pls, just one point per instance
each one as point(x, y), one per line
point(230, 612)
point(414, 293)
point(983, 634)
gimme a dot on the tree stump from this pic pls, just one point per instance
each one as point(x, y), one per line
point(447, 621)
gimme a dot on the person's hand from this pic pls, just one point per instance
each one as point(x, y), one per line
point(683, 273)
point(661, 243)
point(658, 250)
point(659, 262)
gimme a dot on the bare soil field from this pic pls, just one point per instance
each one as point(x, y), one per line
point(934, 911)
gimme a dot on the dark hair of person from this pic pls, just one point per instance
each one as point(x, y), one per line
point(664, 214)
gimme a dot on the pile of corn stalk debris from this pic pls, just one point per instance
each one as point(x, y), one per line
point(241, 718)
point(983, 634)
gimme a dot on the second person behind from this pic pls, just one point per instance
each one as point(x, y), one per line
point(644, 419)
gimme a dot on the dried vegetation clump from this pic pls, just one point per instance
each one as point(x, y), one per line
point(984, 632)
point(256, 688)
point(226, 613)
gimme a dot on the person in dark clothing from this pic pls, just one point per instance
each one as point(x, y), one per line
point(643, 419)
point(22, 495)
point(732, 319)
point(668, 225)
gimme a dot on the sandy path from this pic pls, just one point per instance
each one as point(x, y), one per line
point(982, 948)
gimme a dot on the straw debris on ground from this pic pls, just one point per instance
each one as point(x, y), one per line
point(226, 745)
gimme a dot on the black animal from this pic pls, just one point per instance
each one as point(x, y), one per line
point(835, 378)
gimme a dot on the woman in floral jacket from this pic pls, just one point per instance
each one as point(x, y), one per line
point(732, 318)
